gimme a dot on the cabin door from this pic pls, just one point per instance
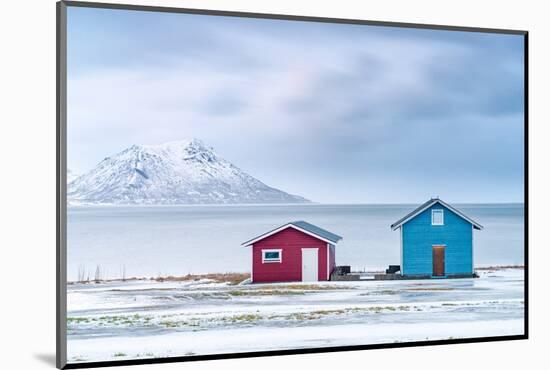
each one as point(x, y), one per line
point(438, 256)
point(310, 262)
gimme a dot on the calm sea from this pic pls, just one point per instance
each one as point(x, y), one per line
point(176, 240)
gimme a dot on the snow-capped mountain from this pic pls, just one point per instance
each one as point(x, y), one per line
point(71, 175)
point(181, 172)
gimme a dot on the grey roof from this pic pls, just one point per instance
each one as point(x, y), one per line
point(305, 226)
point(427, 205)
point(317, 231)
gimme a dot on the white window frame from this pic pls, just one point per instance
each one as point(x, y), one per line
point(439, 210)
point(264, 260)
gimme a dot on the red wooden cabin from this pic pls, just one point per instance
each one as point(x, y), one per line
point(297, 251)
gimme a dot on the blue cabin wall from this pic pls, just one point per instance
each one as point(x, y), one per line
point(419, 236)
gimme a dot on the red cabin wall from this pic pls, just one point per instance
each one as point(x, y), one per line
point(291, 241)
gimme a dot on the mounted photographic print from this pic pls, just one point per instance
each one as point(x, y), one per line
point(236, 184)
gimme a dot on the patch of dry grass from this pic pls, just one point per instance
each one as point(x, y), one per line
point(232, 278)
point(500, 267)
point(257, 293)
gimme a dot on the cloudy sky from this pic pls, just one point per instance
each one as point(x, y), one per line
point(335, 113)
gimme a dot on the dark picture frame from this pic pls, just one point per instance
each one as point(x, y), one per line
point(61, 188)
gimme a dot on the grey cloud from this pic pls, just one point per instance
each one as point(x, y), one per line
point(314, 104)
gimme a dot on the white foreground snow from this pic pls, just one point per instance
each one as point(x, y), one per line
point(117, 321)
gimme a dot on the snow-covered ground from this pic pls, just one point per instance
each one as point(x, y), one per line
point(142, 319)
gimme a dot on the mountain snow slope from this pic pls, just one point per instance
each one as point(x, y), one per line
point(181, 172)
point(71, 175)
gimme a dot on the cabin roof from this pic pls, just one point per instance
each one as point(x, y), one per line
point(427, 205)
point(302, 226)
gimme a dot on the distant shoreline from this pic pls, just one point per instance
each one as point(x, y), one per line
point(233, 278)
point(112, 205)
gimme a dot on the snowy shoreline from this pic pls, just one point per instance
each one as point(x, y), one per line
point(233, 277)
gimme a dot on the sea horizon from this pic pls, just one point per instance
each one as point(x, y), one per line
point(282, 204)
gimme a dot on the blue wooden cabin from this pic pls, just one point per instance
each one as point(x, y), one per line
point(436, 241)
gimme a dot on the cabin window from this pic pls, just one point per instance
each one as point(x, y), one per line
point(272, 255)
point(437, 217)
